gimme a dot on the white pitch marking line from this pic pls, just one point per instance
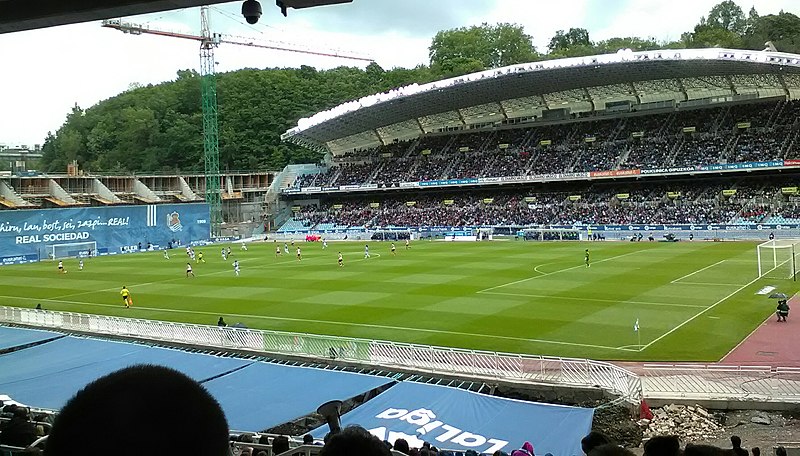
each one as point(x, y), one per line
point(537, 268)
point(699, 313)
point(556, 272)
point(699, 270)
point(339, 323)
point(572, 298)
point(709, 284)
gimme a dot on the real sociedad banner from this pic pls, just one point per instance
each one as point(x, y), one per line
point(456, 419)
point(26, 235)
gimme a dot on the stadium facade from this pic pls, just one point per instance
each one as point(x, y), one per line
point(578, 141)
point(52, 216)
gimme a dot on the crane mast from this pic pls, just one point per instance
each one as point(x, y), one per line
point(208, 96)
point(208, 91)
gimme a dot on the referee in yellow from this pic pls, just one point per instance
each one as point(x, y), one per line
point(126, 296)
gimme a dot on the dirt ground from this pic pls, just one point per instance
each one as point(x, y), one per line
point(783, 428)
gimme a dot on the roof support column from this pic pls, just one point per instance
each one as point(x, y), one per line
point(377, 135)
point(635, 93)
point(731, 85)
point(589, 97)
point(502, 110)
point(785, 87)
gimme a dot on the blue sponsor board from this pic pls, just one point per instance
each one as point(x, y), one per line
point(681, 227)
point(27, 234)
point(435, 183)
point(745, 165)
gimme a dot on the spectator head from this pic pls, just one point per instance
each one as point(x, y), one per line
point(662, 445)
point(610, 449)
point(592, 440)
point(308, 439)
point(702, 450)
point(280, 444)
point(780, 451)
point(21, 412)
point(736, 441)
point(119, 407)
point(756, 451)
point(401, 445)
point(354, 440)
point(526, 450)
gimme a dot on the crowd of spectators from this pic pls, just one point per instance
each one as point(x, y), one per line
point(664, 203)
point(740, 133)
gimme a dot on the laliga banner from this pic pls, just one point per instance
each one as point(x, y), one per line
point(456, 419)
point(26, 235)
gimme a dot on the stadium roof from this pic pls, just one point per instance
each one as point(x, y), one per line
point(522, 93)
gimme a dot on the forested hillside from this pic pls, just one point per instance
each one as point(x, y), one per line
point(158, 128)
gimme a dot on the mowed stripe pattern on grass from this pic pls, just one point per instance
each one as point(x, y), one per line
point(510, 296)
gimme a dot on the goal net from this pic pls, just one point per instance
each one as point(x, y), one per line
point(777, 259)
point(75, 249)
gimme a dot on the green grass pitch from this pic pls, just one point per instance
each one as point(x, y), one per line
point(694, 301)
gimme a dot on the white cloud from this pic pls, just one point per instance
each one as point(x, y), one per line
point(45, 72)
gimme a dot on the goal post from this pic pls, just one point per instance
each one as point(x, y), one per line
point(777, 259)
point(72, 250)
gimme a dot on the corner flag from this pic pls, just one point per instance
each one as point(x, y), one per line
point(636, 326)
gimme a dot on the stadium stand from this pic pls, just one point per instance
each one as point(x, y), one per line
point(754, 200)
point(686, 138)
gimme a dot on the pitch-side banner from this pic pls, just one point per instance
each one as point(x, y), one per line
point(31, 233)
point(456, 419)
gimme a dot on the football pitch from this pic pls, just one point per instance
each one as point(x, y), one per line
point(694, 301)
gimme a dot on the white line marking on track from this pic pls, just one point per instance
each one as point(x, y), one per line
point(699, 270)
point(700, 313)
point(338, 323)
point(556, 272)
point(574, 298)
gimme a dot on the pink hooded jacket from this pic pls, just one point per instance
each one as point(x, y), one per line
point(527, 450)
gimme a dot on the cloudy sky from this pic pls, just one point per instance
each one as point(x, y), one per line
point(45, 72)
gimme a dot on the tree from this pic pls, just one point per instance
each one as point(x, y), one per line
point(705, 36)
point(783, 29)
point(612, 45)
point(469, 49)
point(727, 15)
point(574, 43)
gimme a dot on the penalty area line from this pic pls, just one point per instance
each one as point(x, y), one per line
point(700, 313)
point(337, 323)
point(545, 274)
point(697, 271)
point(613, 301)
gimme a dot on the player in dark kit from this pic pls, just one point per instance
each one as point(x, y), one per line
point(586, 258)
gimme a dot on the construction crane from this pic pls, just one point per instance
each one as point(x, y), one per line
point(208, 92)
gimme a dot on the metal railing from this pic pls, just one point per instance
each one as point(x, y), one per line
point(721, 382)
point(452, 361)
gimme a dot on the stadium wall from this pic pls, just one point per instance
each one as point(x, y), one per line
point(27, 235)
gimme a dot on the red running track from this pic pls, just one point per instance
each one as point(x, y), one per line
point(773, 343)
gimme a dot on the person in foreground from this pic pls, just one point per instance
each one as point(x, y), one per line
point(140, 410)
point(354, 440)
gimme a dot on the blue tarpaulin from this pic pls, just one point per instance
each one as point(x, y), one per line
point(47, 375)
point(263, 395)
point(451, 418)
point(14, 337)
